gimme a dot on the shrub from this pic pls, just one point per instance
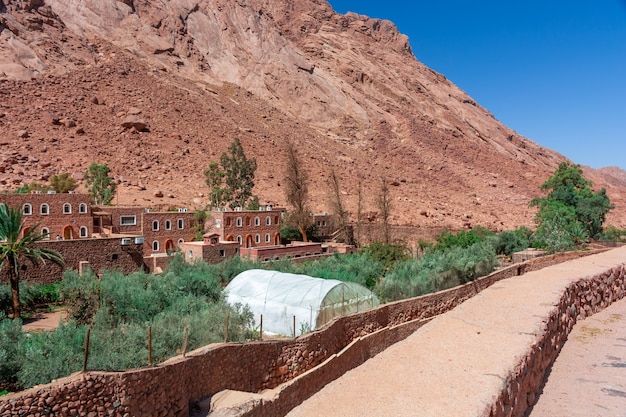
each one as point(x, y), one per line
point(10, 339)
point(387, 253)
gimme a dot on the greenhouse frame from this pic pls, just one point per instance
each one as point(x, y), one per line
point(278, 297)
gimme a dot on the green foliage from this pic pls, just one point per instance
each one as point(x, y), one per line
point(81, 295)
point(509, 241)
point(50, 355)
point(388, 254)
point(558, 230)
point(437, 270)
point(31, 296)
point(290, 232)
point(100, 186)
point(10, 339)
point(360, 268)
point(119, 308)
point(568, 187)
point(33, 186)
point(234, 181)
point(613, 234)
point(62, 183)
point(19, 245)
point(462, 239)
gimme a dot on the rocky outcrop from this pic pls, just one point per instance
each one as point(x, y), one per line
point(346, 88)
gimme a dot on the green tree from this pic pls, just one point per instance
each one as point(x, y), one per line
point(17, 245)
point(238, 175)
point(232, 180)
point(62, 183)
point(568, 186)
point(218, 196)
point(100, 186)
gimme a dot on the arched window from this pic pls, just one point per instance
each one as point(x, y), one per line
point(227, 220)
point(155, 246)
point(45, 232)
point(82, 208)
point(239, 222)
point(257, 238)
point(67, 208)
point(239, 239)
point(84, 232)
point(268, 238)
point(257, 221)
point(268, 221)
point(44, 209)
point(168, 225)
point(27, 209)
point(155, 225)
point(181, 240)
point(181, 224)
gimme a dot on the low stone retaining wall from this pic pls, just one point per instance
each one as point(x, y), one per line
point(580, 300)
point(170, 388)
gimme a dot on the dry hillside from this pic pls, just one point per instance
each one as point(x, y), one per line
point(75, 77)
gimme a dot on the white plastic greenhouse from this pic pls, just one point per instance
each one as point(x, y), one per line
point(280, 296)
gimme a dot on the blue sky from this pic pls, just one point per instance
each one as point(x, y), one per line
point(552, 70)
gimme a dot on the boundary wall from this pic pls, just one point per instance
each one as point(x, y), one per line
point(171, 388)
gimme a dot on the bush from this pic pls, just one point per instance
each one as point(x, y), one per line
point(387, 254)
point(10, 340)
point(509, 241)
point(359, 268)
point(462, 239)
point(438, 270)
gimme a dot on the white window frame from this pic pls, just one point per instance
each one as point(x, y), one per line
point(45, 232)
point(268, 221)
point(268, 238)
point(181, 224)
point(27, 209)
point(168, 224)
point(124, 220)
point(239, 222)
point(257, 238)
point(240, 239)
point(67, 208)
point(155, 246)
point(44, 209)
point(218, 223)
point(82, 208)
point(83, 232)
point(257, 221)
point(181, 240)
point(155, 225)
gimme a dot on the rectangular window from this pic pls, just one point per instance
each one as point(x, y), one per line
point(128, 220)
point(222, 253)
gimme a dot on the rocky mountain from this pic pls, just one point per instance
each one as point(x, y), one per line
point(158, 89)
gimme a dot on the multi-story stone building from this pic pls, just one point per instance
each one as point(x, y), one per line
point(162, 232)
point(249, 228)
point(64, 216)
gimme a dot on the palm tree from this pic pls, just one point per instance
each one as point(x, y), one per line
point(17, 244)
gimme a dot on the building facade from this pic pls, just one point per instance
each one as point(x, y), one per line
point(250, 228)
point(64, 216)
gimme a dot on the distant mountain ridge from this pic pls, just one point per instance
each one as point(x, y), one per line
point(345, 88)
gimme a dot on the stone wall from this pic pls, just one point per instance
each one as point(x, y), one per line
point(170, 388)
point(580, 300)
point(101, 254)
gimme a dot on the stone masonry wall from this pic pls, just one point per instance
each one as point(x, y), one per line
point(101, 254)
point(170, 388)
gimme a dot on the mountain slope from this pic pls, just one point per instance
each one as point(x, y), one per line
point(345, 88)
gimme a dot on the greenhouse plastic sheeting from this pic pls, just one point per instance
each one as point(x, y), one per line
point(280, 296)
